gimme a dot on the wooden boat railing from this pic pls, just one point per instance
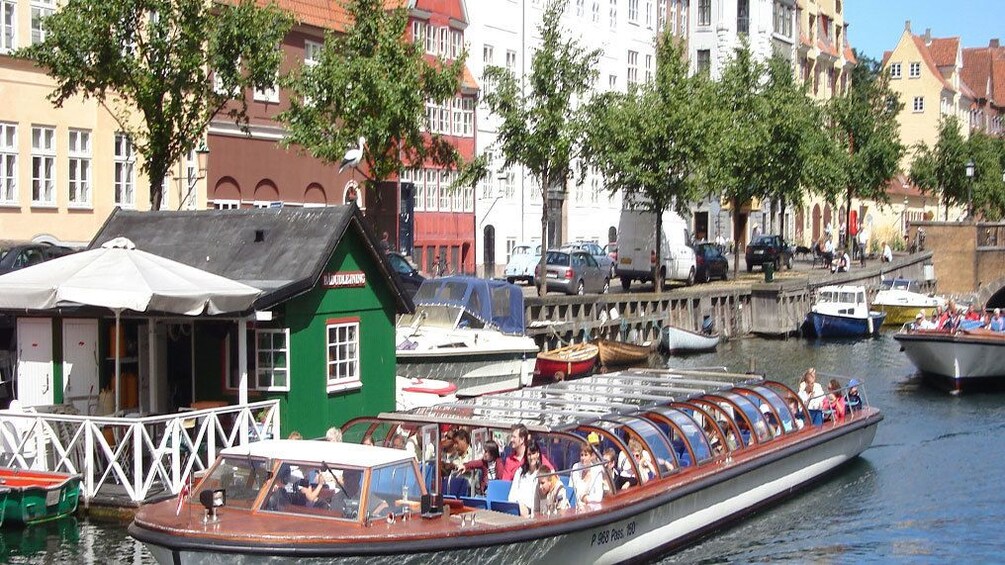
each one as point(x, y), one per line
point(141, 455)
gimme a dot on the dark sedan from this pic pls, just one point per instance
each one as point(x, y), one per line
point(710, 263)
point(16, 255)
point(410, 278)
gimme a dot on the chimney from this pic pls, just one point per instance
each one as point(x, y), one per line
point(928, 36)
point(907, 26)
point(993, 43)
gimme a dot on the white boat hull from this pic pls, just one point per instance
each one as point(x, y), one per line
point(677, 340)
point(653, 527)
point(955, 357)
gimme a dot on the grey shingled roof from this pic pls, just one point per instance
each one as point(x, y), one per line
point(294, 248)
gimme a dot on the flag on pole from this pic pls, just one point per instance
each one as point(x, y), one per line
point(182, 494)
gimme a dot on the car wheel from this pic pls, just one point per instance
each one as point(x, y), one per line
point(690, 277)
point(607, 286)
point(788, 263)
point(626, 283)
point(706, 275)
point(778, 264)
point(581, 289)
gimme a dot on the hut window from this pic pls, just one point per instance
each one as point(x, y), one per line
point(272, 367)
point(343, 354)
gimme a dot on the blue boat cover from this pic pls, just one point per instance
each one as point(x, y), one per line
point(497, 303)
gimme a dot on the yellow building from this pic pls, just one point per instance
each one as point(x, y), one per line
point(63, 170)
point(825, 56)
point(926, 72)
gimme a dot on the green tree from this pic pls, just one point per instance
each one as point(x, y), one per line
point(988, 154)
point(541, 126)
point(941, 170)
point(178, 63)
point(864, 122)
point(372, 83)
point(650, 142)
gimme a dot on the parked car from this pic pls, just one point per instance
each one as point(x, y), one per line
point(598, 253)
point(710, 262)
point(768, 249)
point(16, 255)
point(612, 251)
point(575, 272)
point(522, 262)
point(410, 277)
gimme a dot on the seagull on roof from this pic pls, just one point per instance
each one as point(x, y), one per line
point(353, 156)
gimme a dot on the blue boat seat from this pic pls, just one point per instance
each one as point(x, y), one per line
point(475, 502)
point(456, 486)
point(817, 417)
point(505, 507)
point(498, 489)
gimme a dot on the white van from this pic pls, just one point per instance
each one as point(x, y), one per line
point(637, 248)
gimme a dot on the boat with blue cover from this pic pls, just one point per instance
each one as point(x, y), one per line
point(842, 311)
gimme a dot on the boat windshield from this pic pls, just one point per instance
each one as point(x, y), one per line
point(439, 316)
point(241, 477)
point(683, 432)
point(318, 489)
point(495, 304)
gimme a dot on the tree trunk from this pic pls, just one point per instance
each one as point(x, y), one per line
point(542, 265)
point(157, 172)
point(657, 274)
point(735, 203)
point(781, 221)
point(847, 219)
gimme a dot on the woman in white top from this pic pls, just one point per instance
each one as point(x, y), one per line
point(810, 390)
point(524, 487)
point(588, 477)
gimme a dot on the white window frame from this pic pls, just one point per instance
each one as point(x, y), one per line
point(457, 194)
point(914, 70)
point(312, 52)
point(896, 71)
point(649, 13)
point(919, 104)
point(661, 15)
point(580, 8)
point(226, 204)
point(430, 37)
point(444, 41)
point(649, 67)
point(704, 13)
point(468, 117)
point(40, 9)
point(596, 11)
point(633, 11)
point(8, 164)
point(469, 198)
point(456, 43)
point(43, 166)
point(445, 196)
point(79, 168)
point(419, 33)
point(458, 118)
point(612, 82)
point(632, 68)
point(511, 60)
point(350, 379)
point(418, 179)
point(612, 13)
point(432, 190)
point(8, 25)
point(125, 171)
point(268, 95)
point(272, 351)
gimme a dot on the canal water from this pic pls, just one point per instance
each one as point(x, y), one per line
point(931, 489)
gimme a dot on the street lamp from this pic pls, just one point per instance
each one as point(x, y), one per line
point(970, 190)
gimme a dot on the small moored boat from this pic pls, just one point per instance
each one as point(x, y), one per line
point(569, 362)
point(679, 340)
point(901, 300)
point(619, 353)
point(29, 497)
point(696, 450)
point(842, 311)
point(958, 359)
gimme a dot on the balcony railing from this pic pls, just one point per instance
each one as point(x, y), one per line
point(137, 457)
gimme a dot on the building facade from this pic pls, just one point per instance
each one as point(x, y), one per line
point(505, 34)
point(984, 72)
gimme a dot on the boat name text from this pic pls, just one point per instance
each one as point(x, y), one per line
point(611, 535)
point(348, 279)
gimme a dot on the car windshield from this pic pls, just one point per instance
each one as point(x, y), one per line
point(557, 258)
point(765, 240)
point(521, 250)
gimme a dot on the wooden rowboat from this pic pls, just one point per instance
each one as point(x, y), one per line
point(567, 362)
point(679, 340)
point(619, 353)
point(29, 497)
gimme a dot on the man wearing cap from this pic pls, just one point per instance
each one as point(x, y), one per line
point(854, 401)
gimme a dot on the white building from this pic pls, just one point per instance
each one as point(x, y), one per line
point(505, 33)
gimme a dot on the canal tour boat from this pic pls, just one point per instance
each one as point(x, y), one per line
point(957, 359)
point(469, 332)
point(842, 311)
point(29, 497)
point(691, 451)
point(901, 299)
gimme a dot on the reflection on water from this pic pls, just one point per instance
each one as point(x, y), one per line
point(929, 490)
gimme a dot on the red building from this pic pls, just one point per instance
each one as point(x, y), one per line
point(424, 218)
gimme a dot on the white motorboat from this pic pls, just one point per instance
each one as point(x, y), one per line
point(843, 311)
point(959, 359)
point(679, 340)
point(469, 332)
point(901, 299)
point(700, 459)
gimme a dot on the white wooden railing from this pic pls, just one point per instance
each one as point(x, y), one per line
point(141, 455)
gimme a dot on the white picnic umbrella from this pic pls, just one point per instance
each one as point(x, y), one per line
point(120, 277)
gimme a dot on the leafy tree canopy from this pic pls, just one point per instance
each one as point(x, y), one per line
point(372, 82)
point(175, 63)
point(941, 170)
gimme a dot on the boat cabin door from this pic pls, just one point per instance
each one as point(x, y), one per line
point(34, 362)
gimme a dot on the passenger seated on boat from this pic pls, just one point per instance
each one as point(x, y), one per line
point(524, 487)
point(285, 491)
point(833, 405)
point(519, 439)
point(853, 401)
point(626, 473)
point(588, 477)
point(488, 468)
point(997, 322)
point(611, 466)
point(810, 391)
point(797, 415)
point(551, 493)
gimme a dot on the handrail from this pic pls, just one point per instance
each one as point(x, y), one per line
point(144, 455)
